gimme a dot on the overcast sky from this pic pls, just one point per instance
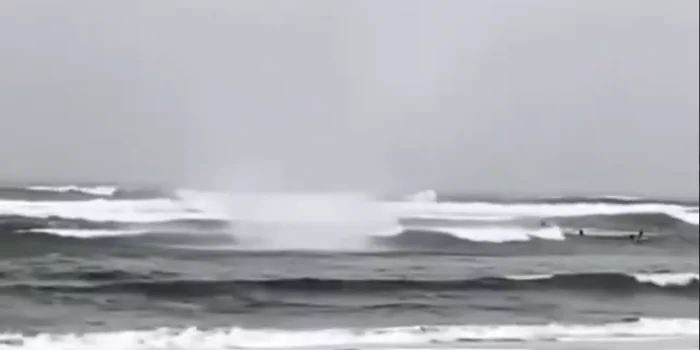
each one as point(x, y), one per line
point(531, 96)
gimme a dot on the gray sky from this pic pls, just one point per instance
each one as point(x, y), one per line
point(533, 97)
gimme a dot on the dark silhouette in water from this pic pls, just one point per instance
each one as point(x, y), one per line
point(638, 236)
point(580, 232)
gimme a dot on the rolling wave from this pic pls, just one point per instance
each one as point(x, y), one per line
point(13, 228)
point(124, 282)
point(506, 212)
point(625, 221)
point(120, 212)
point(410, 238)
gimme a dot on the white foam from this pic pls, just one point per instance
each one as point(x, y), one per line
point(667, 279)
point(94, 190)
point(608, 196)
point(689, 215)
point(530, 277)
point(660, 279)
point(620, 197)
point(454, 211)
point(460, 217)
point(152, 210)
point(497, 234)
point(239, 338)
point(79, 233)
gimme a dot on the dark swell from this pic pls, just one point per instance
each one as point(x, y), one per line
point(116, 282)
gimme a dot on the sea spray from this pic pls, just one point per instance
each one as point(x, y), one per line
point(328, 221)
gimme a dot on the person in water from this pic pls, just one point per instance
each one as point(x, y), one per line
point(638, 236)
point(580, 232)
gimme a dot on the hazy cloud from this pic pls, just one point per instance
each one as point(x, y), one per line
point(534, 96)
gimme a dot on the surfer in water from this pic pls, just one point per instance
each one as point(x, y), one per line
point(638, 236)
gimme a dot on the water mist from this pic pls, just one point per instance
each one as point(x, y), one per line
point(315, 221)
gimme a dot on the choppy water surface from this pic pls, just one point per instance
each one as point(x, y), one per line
point(111, 268)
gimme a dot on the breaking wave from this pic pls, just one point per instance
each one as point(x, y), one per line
point(412, 336)
point(116, 212)
point(494, 234)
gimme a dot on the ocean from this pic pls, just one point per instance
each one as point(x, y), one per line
point(134, 269)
